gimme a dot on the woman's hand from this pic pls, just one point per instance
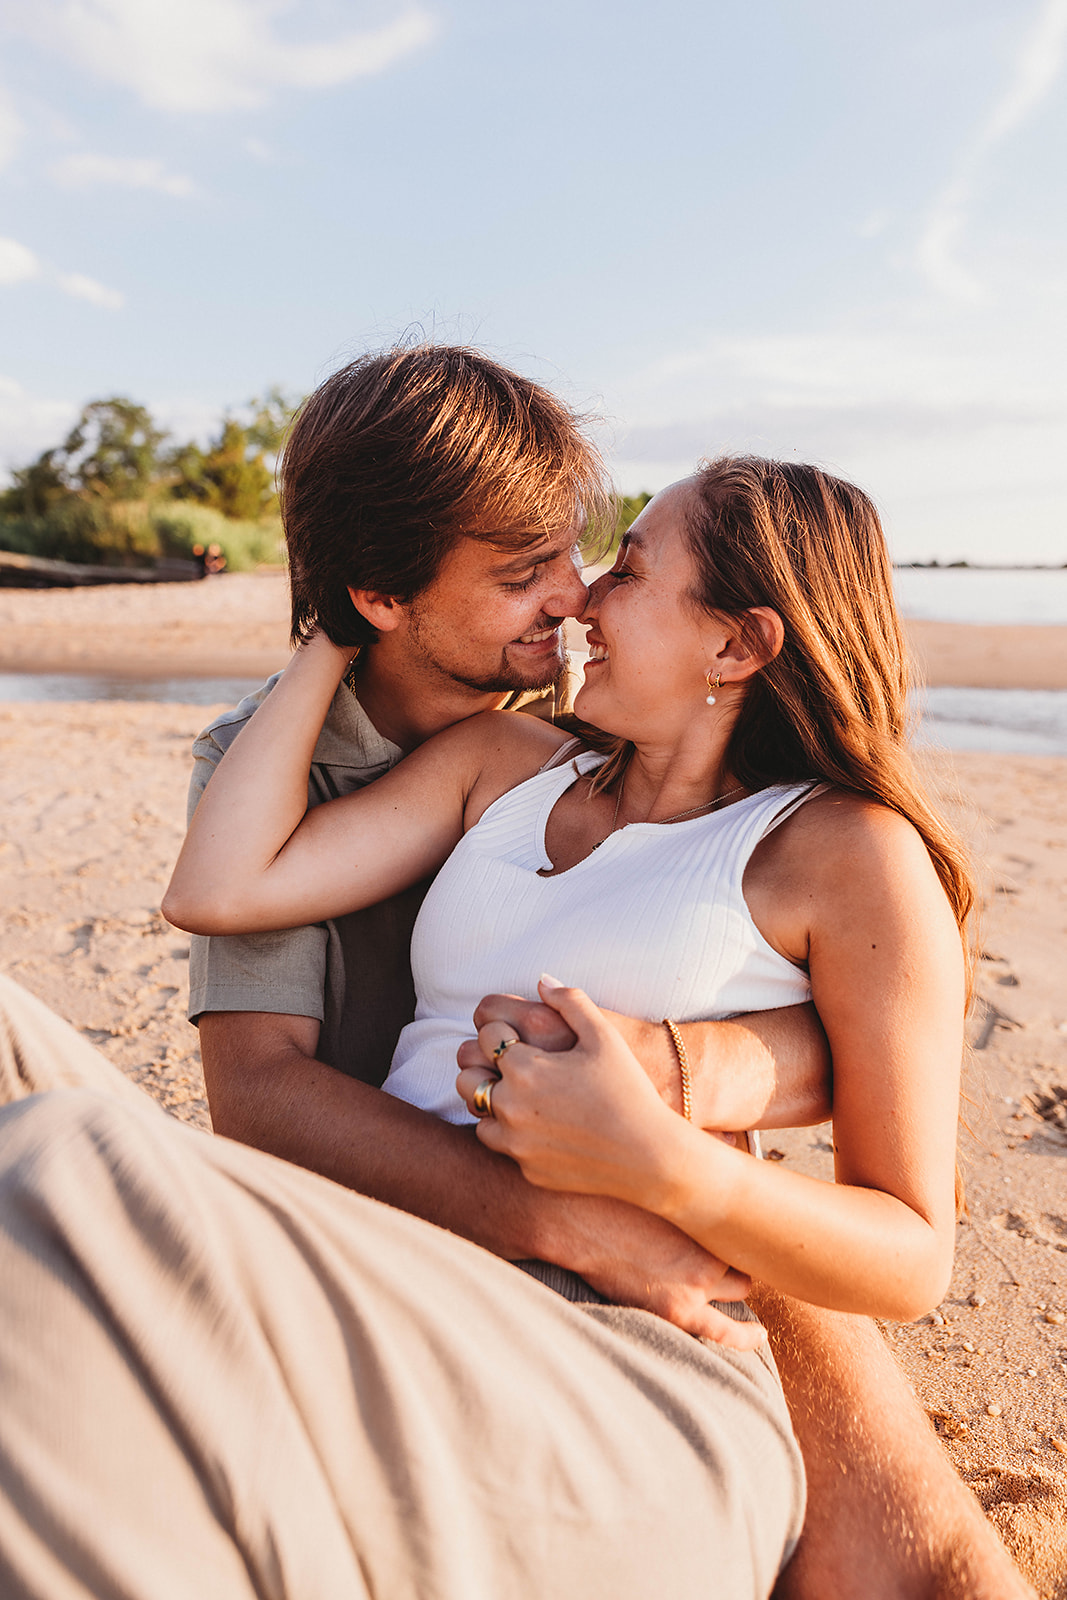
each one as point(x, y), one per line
point(586, 1119)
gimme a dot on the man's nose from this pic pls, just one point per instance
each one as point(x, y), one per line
point(569, 594)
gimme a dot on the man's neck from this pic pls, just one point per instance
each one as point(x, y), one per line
point(406, 705)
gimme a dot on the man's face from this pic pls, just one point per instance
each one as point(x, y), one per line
point(491, 618)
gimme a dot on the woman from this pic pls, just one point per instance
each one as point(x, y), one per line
point(767, 837)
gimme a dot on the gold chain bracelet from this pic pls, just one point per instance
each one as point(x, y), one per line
point(683, 1067)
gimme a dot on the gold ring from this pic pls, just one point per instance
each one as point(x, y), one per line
point(482, 1098)
point(505, 1044)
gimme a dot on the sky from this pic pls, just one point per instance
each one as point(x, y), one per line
point(807, 228)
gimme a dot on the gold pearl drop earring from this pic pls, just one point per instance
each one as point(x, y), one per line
point(710, 700)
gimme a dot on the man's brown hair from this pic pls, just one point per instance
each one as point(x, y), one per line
point(401, 453)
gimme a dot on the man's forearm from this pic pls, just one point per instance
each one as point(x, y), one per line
point(284, 1101)
point(267, 1090)
point(769, 1069)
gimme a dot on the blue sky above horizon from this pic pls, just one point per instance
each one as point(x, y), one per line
point(799, 227)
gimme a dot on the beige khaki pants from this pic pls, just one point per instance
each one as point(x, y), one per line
point(222, 1376)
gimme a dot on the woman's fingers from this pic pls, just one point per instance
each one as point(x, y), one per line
point(496, 1040)
point(469, 1080)
point(585, 1019)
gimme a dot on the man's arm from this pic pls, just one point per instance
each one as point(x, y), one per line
point(769, 1069)
point(266, 1089)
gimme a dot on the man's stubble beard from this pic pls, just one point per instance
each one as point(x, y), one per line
point(505, 679)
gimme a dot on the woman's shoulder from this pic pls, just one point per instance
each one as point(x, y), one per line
point(837, 829)
point(840, 863)
point(502, 749)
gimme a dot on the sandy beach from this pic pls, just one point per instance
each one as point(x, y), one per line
point(93, 809)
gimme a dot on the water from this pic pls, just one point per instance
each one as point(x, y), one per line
point(57, 686)
point(1012, 721)
point(968, 594)
point(1024, 722)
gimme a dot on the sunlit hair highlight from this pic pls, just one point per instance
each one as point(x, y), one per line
point(401, 453)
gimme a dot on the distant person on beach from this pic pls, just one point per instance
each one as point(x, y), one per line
point(214, 560)
point(477, 1368)
point(200, 557)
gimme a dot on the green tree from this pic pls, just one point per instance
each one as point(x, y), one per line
point(111, 454)
point(34, 488)
point(231, 476)
point(112, 451)
point(242, 484)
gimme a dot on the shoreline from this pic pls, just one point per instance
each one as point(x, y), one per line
point(238, 627)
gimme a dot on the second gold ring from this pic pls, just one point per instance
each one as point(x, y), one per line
point(482, 1098)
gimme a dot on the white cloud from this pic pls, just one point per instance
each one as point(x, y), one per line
point(86, 170)
point(83, 288)
point(874, 223)
point(1037, 66)
point(17, 263)
point(953, 420)
point(935, 253)
point(212, 55)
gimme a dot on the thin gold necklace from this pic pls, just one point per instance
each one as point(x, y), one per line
point(678, 815)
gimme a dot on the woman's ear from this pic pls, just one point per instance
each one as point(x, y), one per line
point(759, 638)
point(380, 610)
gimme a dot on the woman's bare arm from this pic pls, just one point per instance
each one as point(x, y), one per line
point(256, 859)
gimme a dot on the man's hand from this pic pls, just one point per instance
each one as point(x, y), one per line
point(660, 1269)
point(533, 1022)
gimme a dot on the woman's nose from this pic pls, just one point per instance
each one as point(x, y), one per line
point(594, 595)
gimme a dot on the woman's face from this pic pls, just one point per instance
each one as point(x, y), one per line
point(650, 645)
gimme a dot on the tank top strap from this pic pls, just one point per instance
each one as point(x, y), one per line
point(800, 796)
point(558, 758)
point(513, 827)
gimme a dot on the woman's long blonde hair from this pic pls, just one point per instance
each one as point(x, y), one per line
point(832, 705)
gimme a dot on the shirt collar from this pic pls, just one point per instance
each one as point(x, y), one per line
point(350, 739)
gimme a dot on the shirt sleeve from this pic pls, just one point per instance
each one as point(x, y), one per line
point(282, 973)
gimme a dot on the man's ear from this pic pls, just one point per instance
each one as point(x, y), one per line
point(380, 610)
point(759, 638)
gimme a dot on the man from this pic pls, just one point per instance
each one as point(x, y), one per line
point(432, 503)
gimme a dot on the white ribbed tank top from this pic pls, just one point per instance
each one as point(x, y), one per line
point(652, 924)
